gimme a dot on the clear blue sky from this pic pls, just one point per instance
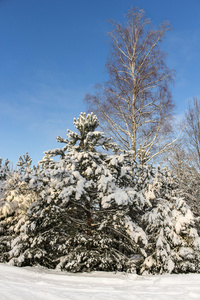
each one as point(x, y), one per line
point(52, 52)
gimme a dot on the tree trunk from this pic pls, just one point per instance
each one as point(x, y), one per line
point(89, 222)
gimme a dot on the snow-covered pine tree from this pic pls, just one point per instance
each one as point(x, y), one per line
point(173, 242)
point(17, 195)
point(4, 173)
point(83, 220)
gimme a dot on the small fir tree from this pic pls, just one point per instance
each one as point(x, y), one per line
point(17, 194)
point(173, 240)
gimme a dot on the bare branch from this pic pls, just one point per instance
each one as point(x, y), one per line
point(135, 104)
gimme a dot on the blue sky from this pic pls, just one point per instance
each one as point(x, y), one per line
point(52, 52)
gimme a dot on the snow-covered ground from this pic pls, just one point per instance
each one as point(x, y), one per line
point(39, 284)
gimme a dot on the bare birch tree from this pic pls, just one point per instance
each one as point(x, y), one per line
point(135, 105)
point(192, 131)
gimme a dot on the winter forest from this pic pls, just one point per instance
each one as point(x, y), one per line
point(121, 192)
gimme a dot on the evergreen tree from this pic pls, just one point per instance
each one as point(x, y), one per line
point(18, 193)
point(173, 240)
point(83, 220)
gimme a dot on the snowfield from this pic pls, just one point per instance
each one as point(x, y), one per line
point(39, 284)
